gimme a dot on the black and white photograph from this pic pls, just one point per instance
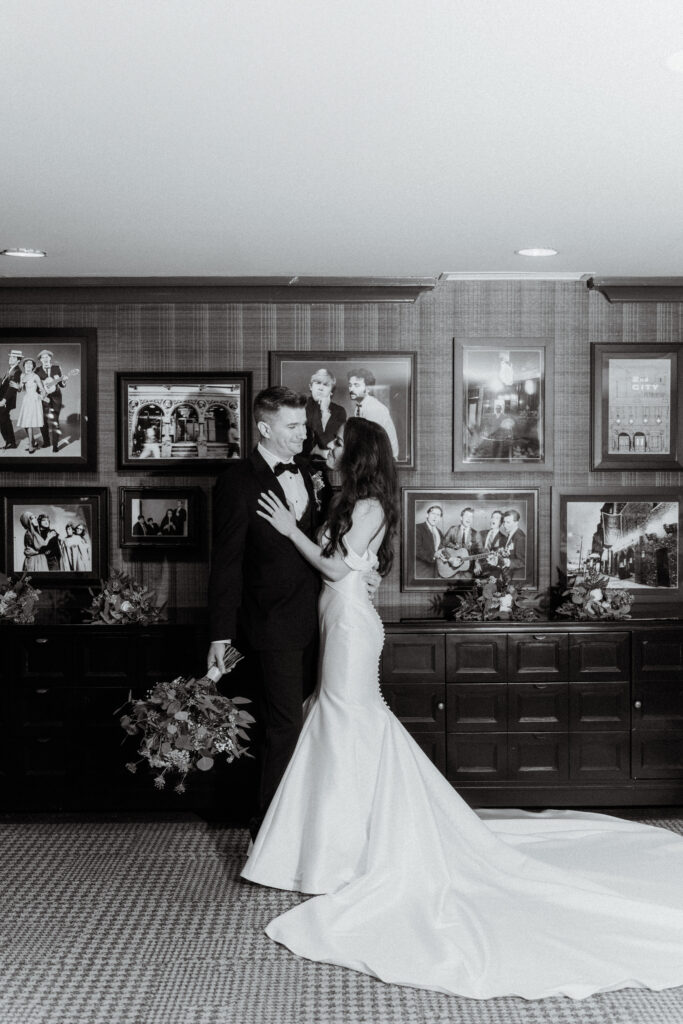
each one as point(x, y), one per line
point(454, 536)
point(56, 535)
point(503, 402)
point(48, 399)
point(159, 517)
point(199, 421)
point(379, 386)
point(632, 535)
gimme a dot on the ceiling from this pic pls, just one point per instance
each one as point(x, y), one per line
point(380, 138)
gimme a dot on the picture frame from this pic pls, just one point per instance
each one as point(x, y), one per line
point(71, 548)
point(159, 517)
point(184, 422)
point(432, 561)
point(386, 389)
point(502, 404)
point(635, 531)
point(49, 417)
point(637, 406)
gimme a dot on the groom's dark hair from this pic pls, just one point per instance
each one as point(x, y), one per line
point(271, 400)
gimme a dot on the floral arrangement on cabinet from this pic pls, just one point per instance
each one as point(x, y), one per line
point(18, 600)
point(589, 597)
point(122, 601)
point(492, 598)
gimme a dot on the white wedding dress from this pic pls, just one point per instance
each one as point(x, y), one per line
point(415, 888)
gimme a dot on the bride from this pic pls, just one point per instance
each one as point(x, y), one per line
point(411, 885)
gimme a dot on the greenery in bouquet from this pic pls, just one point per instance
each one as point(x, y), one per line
point(589, 597)
point(185, 725)
point(18, 600)
point(491, 597)
point(121, 601)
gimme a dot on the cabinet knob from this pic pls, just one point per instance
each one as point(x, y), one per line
point(41, 640)
point(42, 689)
point(638, 704)
point(540, 636)
point(440, 706)
point(540, 686)
point(43, 739)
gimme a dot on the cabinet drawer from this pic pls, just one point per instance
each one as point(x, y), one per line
point(599, 706)
point(476, 658)
point(47, 658)
point(541, 656)
point(657, 755)
point(599, 756)
point(477, 707)
point(411, 658)
point(658, 706)
point(163, 657)
point(419, 707)
point(658, 657)
point(538, 757)
point(42, 705)
point(106, 660)
point(537, 706)
point(477, 757)
point(43, 753)
point(602, 656)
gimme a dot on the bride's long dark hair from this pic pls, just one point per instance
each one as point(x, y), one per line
point(368, 471)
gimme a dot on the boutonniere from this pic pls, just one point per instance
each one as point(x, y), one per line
point(318, 485)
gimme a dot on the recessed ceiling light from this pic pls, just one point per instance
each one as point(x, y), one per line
point(23, 253)
point(675, 62)
point(536, 252)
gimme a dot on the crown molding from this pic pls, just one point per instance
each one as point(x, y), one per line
point(638, 289)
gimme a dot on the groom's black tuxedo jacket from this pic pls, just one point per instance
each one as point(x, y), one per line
point(260, 588)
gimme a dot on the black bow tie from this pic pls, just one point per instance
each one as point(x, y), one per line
point(285, 467)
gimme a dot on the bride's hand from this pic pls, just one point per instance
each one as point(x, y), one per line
point(279, 516)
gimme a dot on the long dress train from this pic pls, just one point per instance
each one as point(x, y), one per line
point(414, 887)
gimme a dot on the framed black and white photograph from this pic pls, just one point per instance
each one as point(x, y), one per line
point(195, 421)
point(59, 535)
point(379, 386)
point(159, 517)
point(48, 399)
point(633, 535)
point(502, 404)
point(453, 535)
point(637, 406)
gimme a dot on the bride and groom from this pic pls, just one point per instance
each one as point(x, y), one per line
point(409, 884)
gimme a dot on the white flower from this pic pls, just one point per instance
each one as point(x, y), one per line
point(126, 607)
point(596, 594)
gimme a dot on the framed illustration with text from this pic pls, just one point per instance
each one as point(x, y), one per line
point(632, 533)
point(48, 399)
point(59, 535)
point(502, 404)
point(159, 517)
point(637, 406)
point(452, 535)
point(197, 421)
point(380, 386)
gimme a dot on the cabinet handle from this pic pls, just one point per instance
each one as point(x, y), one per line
point(440, 706)
point(43, 739)
point(638, 704)
point(41, 640)
point(42, 689)
point(540, 686)
point(540, 636)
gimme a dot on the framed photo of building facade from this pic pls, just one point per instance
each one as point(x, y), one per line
point(637, 406)
point(502, 404)
point(198, 421)
point(633, 534)
point(59, 535)
point(159, 517)
point(48, 399)
point(380, 386)
point(452, 535)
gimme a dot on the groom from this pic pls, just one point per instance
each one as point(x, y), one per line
point(262, 594)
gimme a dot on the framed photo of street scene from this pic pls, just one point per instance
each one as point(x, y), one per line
point(48, 399)
point(185, 422)
point(59, 535)
point(632, 533)
point(159, 517)
point(502, 404)
point(380, 386)
point(637, 406)
point(453, 535)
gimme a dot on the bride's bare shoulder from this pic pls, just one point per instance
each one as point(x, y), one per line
point(366, 507)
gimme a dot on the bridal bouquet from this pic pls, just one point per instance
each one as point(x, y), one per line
point(589, 597)
point(185, 725)
point(18, 600)
point(122, 601)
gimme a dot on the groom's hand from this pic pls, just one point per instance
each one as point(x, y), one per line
point(372, 581)
point(217, 655)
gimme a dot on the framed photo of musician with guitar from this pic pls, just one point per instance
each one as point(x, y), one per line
point(48, 399)
point(453, 535)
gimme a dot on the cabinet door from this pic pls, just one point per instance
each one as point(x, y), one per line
point(420, 708)
point(598, 706)
point(413, 658)
point(167, 654)
point(477, 757)
point(599, 756)
point(538, 656)
point(599, 656)
point(476, 658)
point(657, 755)
point(538, 758)
point(658, 656)
point(534, 707)
point(107, 659)
point(477, 707)
point(434, 746)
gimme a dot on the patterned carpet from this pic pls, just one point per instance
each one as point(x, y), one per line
point(146, 922)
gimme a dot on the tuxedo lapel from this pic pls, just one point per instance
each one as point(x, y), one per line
point(265, 476)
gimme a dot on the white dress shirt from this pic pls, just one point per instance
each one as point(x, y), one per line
point(291, 483)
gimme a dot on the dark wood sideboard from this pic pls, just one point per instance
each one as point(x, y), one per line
point(532, 715)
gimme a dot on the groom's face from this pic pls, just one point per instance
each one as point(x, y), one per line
point(284, 432)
